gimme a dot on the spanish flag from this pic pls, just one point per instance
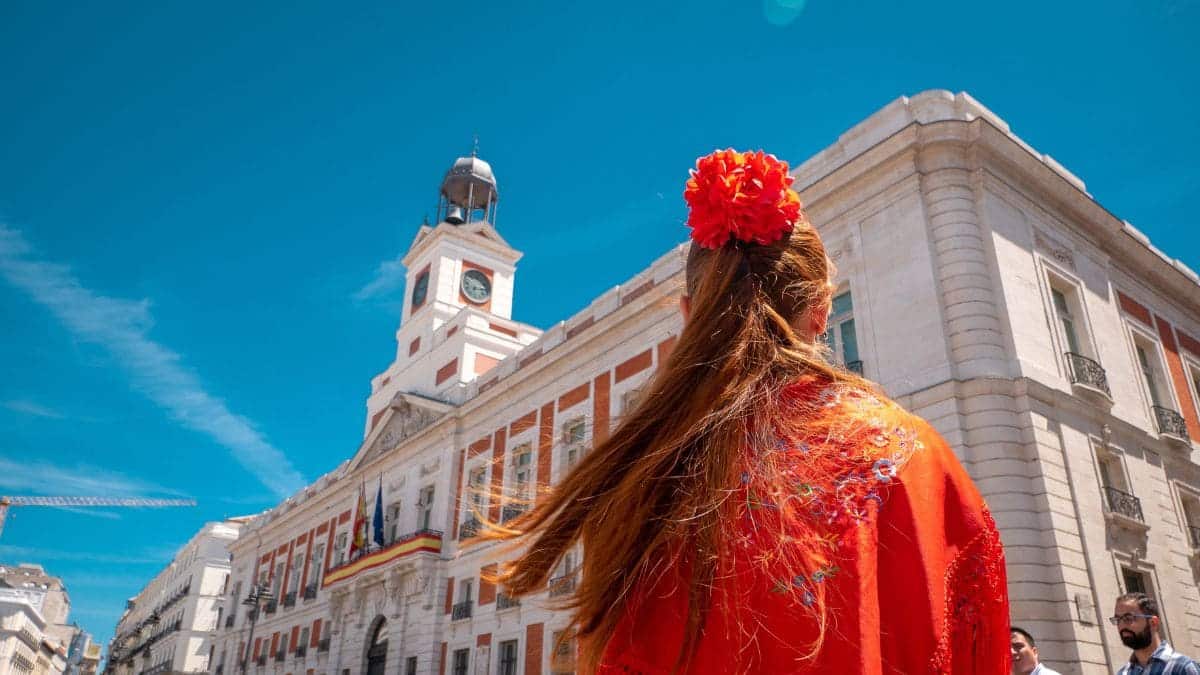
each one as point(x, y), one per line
point(359, 545)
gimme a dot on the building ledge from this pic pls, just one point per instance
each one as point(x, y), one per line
point(1093, 394)
point(1126, 522)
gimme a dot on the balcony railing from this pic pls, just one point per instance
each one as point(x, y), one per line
point(469, 528)
point(323, 645)
point(289, 600)
point(271, 606)
point(281, 655)
point(1195, 534)
point(1087, 372)
point(506, 601)
point(262, 659)
point(229, 620)
point(560, 586)
point(1170, 422)
point(461, 611)
point(855, 367)
point(511, 511)
point(1124, 504)
point(310, 591)
point(301, 651)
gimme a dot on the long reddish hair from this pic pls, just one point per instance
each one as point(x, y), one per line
point(659, 486)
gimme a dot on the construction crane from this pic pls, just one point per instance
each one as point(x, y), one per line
point(6, 502)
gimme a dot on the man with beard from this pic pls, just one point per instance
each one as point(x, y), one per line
point(1025, 657)
point(1137, 620)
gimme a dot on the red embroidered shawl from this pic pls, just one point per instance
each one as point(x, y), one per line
point(910, 565)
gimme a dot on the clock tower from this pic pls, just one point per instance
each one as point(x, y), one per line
point(457, 318)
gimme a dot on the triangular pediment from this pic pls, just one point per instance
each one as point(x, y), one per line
point(404, 417)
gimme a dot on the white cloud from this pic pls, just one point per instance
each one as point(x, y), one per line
point(31, 554)
point(121, 327)
point(389, 277)
point(34, 409)
point(37, 478)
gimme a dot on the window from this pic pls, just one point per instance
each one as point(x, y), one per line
point(314, 573)
point(575, 431)
point(425, 509)
point(410, 666)
point(1151, 370)
point(297, 570)
point(340, 548)
point(461, 656)
point(303, 641)
point(1190, 505)
point(1135, 582)
point(277, 579)
point(393, 522)
point(1066, 321)
point(840, 335)
point(522, 471)
point(508, 657)
point(562, 654)
point(574, 437)
point(476, 486)
point(631, 399)
point(1118, 498)
point(464, 590)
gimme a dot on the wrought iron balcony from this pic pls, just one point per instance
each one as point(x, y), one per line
point(1195, 533)
point(229, 620)
point(469, 528)
point(506, 601)
point(1124, 504)
point(855, 367)
point(272, 605)
point(310, 591)
point(560, 586)
point(301, 651)
point(461, 611)
point(1087, 372)
point(289, 600)
point(262, 659)
point(511, 511)
point(281, 655)
point(323, 645)
point(1170, 423)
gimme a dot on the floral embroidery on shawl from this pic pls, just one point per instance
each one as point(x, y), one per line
point(974, 586)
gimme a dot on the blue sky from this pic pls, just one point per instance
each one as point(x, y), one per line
point(199, 202)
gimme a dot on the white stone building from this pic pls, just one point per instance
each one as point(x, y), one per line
point(47, 594)
point(25, 646)
point(168, 626)
point(979, 284)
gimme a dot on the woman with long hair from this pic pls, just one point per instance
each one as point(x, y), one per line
point(762, 510)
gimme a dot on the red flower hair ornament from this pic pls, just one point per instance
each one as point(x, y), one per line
point(746, 196)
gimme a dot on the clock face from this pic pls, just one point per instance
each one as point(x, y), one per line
point(476, 286)
point(420, 289)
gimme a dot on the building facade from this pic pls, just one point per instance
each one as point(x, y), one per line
point(979, 283)
point(46, 593)
point(168, 627)
point(25, 647)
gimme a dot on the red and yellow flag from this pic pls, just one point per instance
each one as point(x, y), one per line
point(358, 545)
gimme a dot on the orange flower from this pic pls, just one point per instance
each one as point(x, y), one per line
point(745, 196)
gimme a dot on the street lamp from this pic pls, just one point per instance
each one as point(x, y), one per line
point(259, 595)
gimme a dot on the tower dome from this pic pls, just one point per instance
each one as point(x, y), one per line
point(468, 192)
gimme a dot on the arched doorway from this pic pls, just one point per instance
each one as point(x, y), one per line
point(377, 647)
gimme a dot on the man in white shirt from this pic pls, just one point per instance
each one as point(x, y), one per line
point(1025, 654)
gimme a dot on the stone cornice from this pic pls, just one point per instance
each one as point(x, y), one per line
point(936, 129)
